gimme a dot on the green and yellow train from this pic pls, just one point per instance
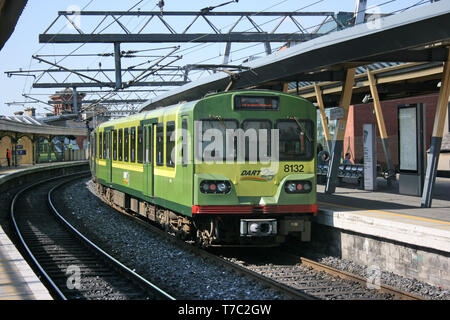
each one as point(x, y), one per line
point(234, 168)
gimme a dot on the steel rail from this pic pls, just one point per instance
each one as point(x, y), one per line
point(289, 291)
point(403, 295)
point(22, 240)
point(143, 282)
point(98, 250)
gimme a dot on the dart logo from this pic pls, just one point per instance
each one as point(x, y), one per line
point(257, 175)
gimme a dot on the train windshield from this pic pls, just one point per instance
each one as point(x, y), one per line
point(257, 139)
point(213, 142)
point(223, 140)
point(296, 139)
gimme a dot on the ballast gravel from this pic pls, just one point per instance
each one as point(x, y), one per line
point(182, 274)
point(391, 279)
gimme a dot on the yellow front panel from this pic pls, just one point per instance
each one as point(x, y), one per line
point(256, 179)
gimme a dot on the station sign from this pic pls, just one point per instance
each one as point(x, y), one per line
point(336, 113)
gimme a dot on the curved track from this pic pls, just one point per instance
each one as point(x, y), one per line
point(287, 290)
point(297, 277)
point(73, 267)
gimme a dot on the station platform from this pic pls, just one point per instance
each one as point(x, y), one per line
point(388, 214)
point(17, 279)
point(8, 173)
point(4, 171)
point(388, 230)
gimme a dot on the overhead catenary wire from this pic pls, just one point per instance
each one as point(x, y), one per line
point(73, 51)
point(192, 50)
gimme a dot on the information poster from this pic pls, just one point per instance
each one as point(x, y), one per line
point(407, 120)
point(370, 157)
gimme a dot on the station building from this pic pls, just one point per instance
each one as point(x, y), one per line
point(33, 141)
point(399, 85)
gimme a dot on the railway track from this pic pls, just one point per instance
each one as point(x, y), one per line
point(382, 288)
point(295, 276)
point(287, 290)
point(316, 279)
point(300, 278)
point(73, 266)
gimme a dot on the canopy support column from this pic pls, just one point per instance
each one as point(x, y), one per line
point(381, 124)
point(338, 144)
point(323, 117)
point(436, 139)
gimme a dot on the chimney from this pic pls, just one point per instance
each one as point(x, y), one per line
point(31, 112)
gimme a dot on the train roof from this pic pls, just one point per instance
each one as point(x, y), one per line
point(188, 105)
point(148, 114)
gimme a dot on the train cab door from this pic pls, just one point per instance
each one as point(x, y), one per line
point(186, 171)
point(93, 153)
point(107, 154)
point(149, 130)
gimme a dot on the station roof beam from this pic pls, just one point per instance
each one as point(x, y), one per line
point(183, 35)
point(417, 35)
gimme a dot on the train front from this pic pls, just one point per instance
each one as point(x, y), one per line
point(255, 179)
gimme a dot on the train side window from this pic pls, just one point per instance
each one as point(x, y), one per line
point(140, 144)
point(126, 144)
point(100, 145)
point(170, 143)
point(133, 144)
point(120, 144)
point(91, 145)
point(184, 143)
point(160, 144)
point(148, 144)
point(115, 145)
point(105, 149)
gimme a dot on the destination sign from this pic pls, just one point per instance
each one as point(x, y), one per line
point(256, 103)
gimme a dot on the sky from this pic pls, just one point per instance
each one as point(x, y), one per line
point(39, 14)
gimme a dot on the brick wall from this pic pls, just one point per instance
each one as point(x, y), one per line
point(364, 113)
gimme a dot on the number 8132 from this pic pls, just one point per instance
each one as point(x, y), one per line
point(293, 168)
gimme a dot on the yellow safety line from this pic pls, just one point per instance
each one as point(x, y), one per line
point(384, 212)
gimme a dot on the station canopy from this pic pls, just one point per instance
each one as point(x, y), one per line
point(418, 35)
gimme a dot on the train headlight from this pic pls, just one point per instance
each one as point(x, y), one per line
point(215, 187)
point(298, 186)
point(222, 187)
point(291, 187)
